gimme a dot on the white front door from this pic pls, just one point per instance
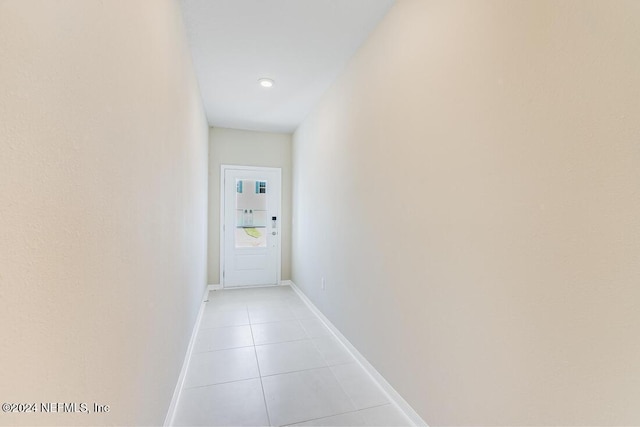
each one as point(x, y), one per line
point(251, 226)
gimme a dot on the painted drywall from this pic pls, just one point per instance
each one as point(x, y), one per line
point(248, 148)
point(103, 189)
point(470, 190)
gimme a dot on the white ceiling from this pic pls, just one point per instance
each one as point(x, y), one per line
point(301, 44)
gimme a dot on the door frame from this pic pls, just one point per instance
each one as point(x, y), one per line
point(223, 169)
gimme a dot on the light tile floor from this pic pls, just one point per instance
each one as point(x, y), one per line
point(263, 358)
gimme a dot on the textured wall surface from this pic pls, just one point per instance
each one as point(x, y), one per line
point(248, 148)
point(470, 190)
point(103, 200)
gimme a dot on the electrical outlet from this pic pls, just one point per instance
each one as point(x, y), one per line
point(324, 285)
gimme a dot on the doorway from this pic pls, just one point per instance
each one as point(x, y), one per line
point(250, 241)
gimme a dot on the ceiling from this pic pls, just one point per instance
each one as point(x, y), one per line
point(302, 45)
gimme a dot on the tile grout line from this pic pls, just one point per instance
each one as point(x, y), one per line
point(222, 383)
point(264, 396)
point(295, 372)
point(333, 374)
point(341, 413)
point(299, 321)
point(223, 327)
point(323, 358)
point(273, 375)
point(391, 394)
point(257, 345)
point(220, 349)
point(353, 405)
point(281, 342)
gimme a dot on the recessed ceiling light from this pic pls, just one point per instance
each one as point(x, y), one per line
point(265, 82)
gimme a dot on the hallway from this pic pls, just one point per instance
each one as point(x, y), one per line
point(262, 357)
point(454, 187)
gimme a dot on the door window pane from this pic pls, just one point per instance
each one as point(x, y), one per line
point(251, 213)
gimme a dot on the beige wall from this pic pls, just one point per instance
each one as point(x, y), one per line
point(103, 200)
point(507, 291)
point(247, 148)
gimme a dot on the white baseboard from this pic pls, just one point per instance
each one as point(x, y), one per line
point(391, 393)
point(220, 287)
point(171, 413)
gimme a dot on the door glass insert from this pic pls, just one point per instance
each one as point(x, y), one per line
point(251, 213)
